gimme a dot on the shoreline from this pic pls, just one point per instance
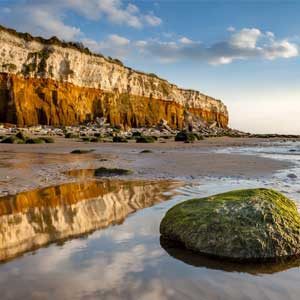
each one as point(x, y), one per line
point(27, 167)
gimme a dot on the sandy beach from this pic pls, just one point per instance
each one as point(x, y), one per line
point(25, 167)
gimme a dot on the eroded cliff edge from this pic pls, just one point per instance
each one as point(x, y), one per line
point(55, 83)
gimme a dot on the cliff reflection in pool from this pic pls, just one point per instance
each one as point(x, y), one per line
point(32, 219)
point(119, 262)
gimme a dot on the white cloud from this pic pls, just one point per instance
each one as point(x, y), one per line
point(241, 45)
point(230, 29)
point(118, 40)
point(185, 40)
point(247, 43)
point(114, 45)
point(282, 48)
point(48, 18)
point(47, 22)
point(152, 20)
point(245, 38)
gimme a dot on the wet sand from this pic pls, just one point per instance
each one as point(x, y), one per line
point(24, 167)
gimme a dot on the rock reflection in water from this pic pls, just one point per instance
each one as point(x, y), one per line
point(36, 218)
point(195, 259)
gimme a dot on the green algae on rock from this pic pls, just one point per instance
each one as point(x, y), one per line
point(187, 137)
point(252, 224)
point(108, 172)
point(145, 139)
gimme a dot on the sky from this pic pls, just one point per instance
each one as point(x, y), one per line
point(246, 53)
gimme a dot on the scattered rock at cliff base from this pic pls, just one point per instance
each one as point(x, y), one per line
point(187, 137)
point(120, 139)
point(71, 135)
point(253, 224)
point(21, 138)
point(145, 139)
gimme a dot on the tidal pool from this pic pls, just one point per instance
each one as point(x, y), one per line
point(99, 239)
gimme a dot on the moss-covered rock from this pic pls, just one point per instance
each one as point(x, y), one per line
point(108, 172)
point(20, 135)
point(47, 139)
point(187, 137)
point(120, 139)
point(145, 139)
point(35, 141)
point(12, 140)
point(146, 151)
point(71, 135)
point(253, 224)
point(82, 151)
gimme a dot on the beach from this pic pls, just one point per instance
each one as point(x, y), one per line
point(26, 167)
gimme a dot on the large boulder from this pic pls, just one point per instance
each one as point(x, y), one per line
point(253, 224)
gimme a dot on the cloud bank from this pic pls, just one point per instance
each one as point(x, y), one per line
point(47, 18)
point(245, 44)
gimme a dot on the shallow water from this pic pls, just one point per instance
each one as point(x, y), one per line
point(99, 239)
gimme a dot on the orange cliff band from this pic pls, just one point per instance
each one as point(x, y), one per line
point(33, 101)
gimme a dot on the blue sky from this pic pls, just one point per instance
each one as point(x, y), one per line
point(243, 52)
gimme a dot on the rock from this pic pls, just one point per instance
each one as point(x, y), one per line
point(163, 126)
point(35, 141)
point(82, 151)
point(12, 140)
point(213, 125)
point(146, 139)
point(47, 139)
point(253, 224)
point(146, 151)
point(188, 137)
point(101, 121)
point(20, 135)
point(71, 135)
point(292, 176)
point(120, 139)
point(109, 172)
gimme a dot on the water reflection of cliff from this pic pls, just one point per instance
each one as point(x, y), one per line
point(32, 219)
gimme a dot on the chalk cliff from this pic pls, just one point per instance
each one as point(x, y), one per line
point(46, 81)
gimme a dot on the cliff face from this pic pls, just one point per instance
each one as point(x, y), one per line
point(54, 83)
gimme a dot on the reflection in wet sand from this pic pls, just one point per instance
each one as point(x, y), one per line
point(32, 219)
point(197, 260)
point(23, 171)
point(81, 173)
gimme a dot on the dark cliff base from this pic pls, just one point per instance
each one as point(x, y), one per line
point(33, 101)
